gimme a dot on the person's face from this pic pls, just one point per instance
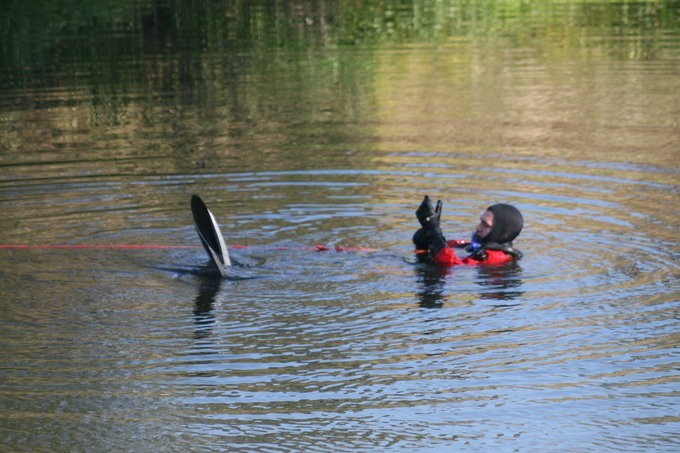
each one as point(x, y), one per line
point(485, 225)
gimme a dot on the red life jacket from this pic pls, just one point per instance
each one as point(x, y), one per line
point(447, 256)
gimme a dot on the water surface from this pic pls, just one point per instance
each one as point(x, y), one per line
point(326, 124)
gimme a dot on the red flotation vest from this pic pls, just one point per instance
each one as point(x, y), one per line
point(447, 256)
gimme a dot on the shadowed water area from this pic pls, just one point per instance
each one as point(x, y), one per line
point(304, 123)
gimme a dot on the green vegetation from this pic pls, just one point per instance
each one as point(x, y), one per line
point(108, 53)
point(40, 34)
point(268, 67)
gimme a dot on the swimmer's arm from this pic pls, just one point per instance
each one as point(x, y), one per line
point(457, 243)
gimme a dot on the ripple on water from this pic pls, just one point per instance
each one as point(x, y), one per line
point(339, 346)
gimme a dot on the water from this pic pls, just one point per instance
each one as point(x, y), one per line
point(325, 124)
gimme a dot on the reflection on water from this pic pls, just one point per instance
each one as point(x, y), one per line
point(503, 283)
point(304, 123)
point(500, 283)
point(432, 286)
point(208, 286)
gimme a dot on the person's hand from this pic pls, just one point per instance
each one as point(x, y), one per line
point(427, 215)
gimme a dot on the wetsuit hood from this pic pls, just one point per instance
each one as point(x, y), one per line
point(507, 224)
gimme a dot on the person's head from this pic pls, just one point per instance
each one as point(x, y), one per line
point(500, 223)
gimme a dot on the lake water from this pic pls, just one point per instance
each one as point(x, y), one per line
point(305, 123)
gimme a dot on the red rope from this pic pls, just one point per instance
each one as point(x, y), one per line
point(95, 246)
point(318, 248)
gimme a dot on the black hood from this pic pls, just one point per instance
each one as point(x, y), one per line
point(507, 224)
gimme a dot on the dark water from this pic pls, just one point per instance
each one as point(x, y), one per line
point(318, 123)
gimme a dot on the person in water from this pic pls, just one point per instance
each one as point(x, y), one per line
point(491, 241)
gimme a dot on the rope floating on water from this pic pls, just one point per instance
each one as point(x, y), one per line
point(318, 248)
point(96, 246)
